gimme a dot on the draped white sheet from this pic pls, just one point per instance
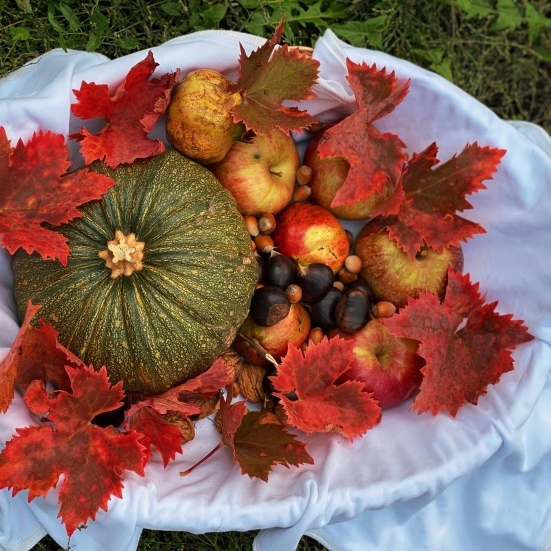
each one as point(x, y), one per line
point(417, 482)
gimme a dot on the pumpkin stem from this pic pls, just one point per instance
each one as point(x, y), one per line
point(123, 255)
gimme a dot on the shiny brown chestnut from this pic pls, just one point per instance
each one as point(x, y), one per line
point(362, 286)
point(280, 270)
point(323, 311)
point(269, 305)
point(314, 280)
point(353, 311)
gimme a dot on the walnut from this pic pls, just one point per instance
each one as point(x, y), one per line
point(234, 362)
point(183, 423)
point(208, 406)
point(278, 410)
point(250, 381)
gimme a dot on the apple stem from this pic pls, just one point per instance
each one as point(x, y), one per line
point(280, 174)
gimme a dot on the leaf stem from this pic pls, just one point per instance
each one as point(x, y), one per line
point(218, 446)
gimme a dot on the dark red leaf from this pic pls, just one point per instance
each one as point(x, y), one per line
point(465, 343)
point(259, 441)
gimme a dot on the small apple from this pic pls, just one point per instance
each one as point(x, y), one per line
point(206, 131)
point(260, 174)
point(273, 339)
point(328, 176)
point(309, 233)
point(391, 274)
point(388, 366)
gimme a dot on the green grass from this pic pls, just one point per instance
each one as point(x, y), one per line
point(499, 51)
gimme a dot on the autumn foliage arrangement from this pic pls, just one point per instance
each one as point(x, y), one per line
point(464, 344)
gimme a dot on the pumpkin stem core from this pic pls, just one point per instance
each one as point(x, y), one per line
point(123, 255)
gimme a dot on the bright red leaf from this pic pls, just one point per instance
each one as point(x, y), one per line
point(259, 441)
point(465, 343)
point(321, 405)
point(91, 458)
point(35, 189)
point(209, 383)
point(165, 437)
point(376, 160)
point(432, 196)
point(130, 114)
point(35, 355)
point(267, 78)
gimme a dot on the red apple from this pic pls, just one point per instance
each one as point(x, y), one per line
point(388, 366)
point(328, 176)
point(260, 174)
point(273, 339)
point(393, 276)
point(309, 233)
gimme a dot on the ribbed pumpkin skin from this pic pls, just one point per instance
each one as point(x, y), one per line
point(168, 322)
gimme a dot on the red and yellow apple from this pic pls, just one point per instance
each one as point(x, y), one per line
point(260, 174)
point(393, 276)
point(309, 233)
point(388, 366)
point(274, 339)
point(328, 176)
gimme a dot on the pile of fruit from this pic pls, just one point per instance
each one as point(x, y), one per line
point(220, 268)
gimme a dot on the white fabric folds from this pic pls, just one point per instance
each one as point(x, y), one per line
point(473, 483)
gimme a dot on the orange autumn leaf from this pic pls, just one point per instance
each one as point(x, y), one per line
point(130, 114)
point(465, 342)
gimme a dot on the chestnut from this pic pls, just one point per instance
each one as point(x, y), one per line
point(323, 311)
point(280, 270)
point(269, 305)
point(362, 286)
point(261, 263)
point(315, 280)
point(353, 311)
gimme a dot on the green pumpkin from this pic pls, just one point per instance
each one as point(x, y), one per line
point(169, 315)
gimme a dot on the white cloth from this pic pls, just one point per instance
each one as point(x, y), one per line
point(422, 482)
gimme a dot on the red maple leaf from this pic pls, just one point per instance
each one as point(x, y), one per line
point(91, 458)
point(165, 437)
point(430, 198)
point(321, 405)
point(259, 441)
point(35, 355)
point(130, 114)
point(35, 189)
point(207, 384)
point(465, 343)
point(268, 77)
point(376, 160)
